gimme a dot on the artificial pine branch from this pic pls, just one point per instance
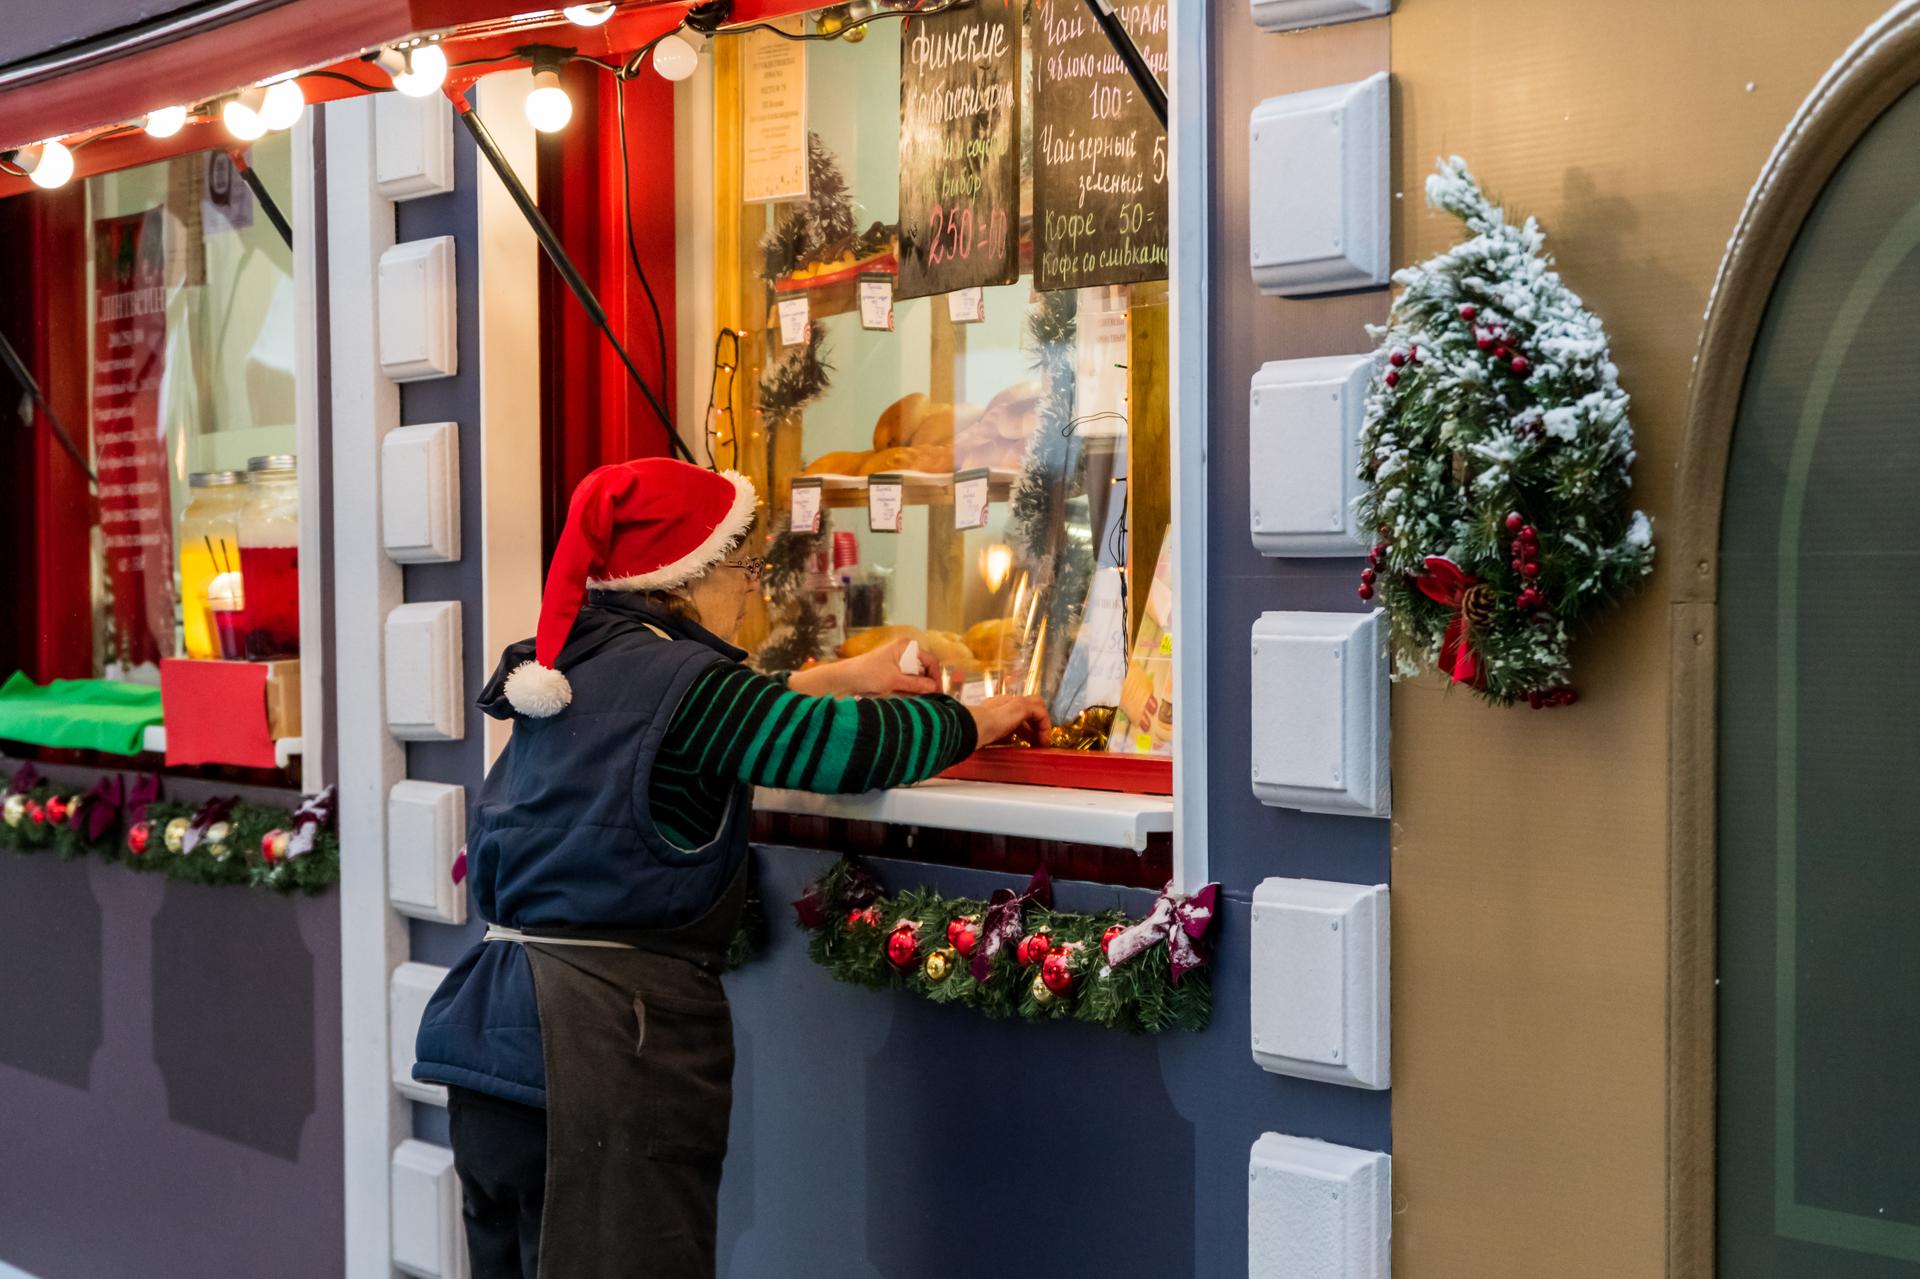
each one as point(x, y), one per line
point(820, 229)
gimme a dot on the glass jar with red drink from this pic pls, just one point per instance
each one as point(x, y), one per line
point(270, 558)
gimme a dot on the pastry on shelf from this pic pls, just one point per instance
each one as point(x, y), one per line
point(898, 420)
point(843, 462)
point(992, 640)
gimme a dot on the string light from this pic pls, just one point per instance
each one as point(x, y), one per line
point(417, 72)
point(47, 164)
point(588, 15)
point(165, 122)
point(282, 106)
point(677, 56)
point(241, 114)
point(548, 106)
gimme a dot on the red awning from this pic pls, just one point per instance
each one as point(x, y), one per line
point(212, 50)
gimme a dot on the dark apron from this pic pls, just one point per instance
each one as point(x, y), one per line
point(638, 1044)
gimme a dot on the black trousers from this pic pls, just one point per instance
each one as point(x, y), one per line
point(500, 1154)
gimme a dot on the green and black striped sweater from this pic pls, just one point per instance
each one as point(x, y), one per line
point(738, 726)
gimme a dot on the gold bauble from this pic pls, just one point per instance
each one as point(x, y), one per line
point(829, 23)
point(939, 963)
point(215, 849)
point(176, 834)
point(1041, 995)
point(16, 810)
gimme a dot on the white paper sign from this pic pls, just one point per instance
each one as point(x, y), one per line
point(876, 303)
point(970, 499)
point(806, 506)
point(967, 306)
point(773, 125)
point(884, 503)
point(793, 321)
point(1103, 634)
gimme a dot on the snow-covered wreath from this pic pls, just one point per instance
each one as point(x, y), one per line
point(1496, 455)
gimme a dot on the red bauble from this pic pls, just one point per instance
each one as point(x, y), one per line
point(1396, 359)
point(1392, 378)
point(870, 917)
point(37, 814)
point(1055, 972)
point(1520, 365)
point(902, 946)
point(1032, 949)
point(1106, 938)
point(1365, 592)
point(139, 835)
point(962, 935)
point(1514, 521)
point(56, 810)
point(1468, 311)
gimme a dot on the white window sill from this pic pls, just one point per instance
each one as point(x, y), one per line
point(1107, 818)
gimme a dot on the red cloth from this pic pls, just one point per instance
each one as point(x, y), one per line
point(215, 713)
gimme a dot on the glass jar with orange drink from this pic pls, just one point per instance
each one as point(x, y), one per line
point(209, 555)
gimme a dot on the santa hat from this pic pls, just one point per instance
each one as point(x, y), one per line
point(646, 525)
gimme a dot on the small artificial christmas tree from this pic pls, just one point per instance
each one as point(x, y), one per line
point(1497, 456)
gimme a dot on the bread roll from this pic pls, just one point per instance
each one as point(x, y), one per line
point(940, 423)
point(895, 459)
point(937, 458)
point(896, 423)
point(992, 640)
point(873, 637)
point(950, 649)
point(845, 462)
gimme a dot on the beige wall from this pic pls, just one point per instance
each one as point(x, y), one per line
point(1530, 848)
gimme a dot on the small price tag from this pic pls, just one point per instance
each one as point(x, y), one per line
point(876, 302)
point(970, 499)
point(805, 516)
point(967, 306)
point(793, 321)
point(885, 495)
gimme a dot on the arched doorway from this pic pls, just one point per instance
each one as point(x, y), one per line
point(1796, 885)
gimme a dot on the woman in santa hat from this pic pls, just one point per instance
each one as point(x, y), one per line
point(586, 1043)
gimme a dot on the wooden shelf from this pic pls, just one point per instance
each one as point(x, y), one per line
point(920, 488)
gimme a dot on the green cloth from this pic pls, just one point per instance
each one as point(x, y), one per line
point(78, 714)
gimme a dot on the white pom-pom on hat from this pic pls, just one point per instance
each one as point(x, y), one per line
point(537, 691)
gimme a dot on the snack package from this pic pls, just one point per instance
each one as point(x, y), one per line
point(1143, 724)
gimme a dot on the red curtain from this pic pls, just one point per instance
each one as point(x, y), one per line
point(46, 516)
point(591, 413)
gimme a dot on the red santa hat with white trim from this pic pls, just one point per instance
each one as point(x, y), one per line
point(646, 525)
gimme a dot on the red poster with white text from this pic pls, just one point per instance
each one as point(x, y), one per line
point(129, 438)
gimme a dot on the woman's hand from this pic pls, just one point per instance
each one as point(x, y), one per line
point(875, 673)
point(1001, 717)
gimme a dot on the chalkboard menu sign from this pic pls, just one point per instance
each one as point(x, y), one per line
point(1099, 156)
point(960, 149)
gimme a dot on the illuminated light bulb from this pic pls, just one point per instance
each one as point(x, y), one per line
point(677, 56)
point(417, 72)
point(996, 562)
point(165, 122)
point(548, 106)
point(283, 104)
point(588, 15)
point(241, 115)
point(49, 165)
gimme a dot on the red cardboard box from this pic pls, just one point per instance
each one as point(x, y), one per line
point(228, 712)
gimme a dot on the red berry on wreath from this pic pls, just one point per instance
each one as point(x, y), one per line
point(1528, 534)
point(1365, 592)
point(1057, 972)
point(902, 946)
point(1529, 569)
point(1106, 938)
point(1367, 576)
point(1396, 359)
point(1032, 949)
point(1514, 521)
point(1468, 311)
point(1520, 365)
point(963, 935)
point(139, 836)
point(1484, 341)
point(56, 810)
point(1392, 378)
point(36, 814)
point(1413, 355)
point(1501, 353)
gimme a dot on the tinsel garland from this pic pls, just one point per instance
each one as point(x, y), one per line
point(239, 859)
point(799, 628)
point(1497, 456)
point(820, 229)
point(796, 379)
point(1052, 479)
point(851, 930)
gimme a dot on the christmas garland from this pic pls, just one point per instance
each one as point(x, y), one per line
point(1013, 954)
point(799, 629)
point(819, 230)
point(1497, 458)
point(221, 841)
point(1039, 522)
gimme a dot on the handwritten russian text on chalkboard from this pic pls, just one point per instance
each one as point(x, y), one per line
point(1099, 156)
point(960, 149)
